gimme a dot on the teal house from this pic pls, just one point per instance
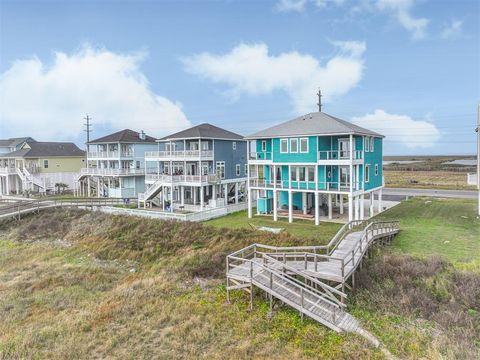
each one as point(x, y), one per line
point(315, 166)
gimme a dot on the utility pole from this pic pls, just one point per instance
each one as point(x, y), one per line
point(478, 156)
point(319, 94)
point(88, 130)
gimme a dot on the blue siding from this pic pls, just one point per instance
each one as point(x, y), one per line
point(223, 151)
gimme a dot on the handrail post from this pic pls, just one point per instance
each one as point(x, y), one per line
point(251, 285)
point(301, 312)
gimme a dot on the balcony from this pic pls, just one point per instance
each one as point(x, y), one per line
point(110, 154)
point(7, 170)
point(335, 155)
point(179, 155)
point(261, 156)
point(302, 185)
point(177, 179)
point(111, 172)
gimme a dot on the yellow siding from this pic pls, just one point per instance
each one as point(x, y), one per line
point(61, 164)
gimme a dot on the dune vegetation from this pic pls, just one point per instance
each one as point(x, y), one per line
point(79, 284)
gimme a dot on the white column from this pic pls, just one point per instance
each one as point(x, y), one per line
point(380, 201)
point(194, 191)
point(290, 206)
point(225, 190)
point(236, 193)
point(182, 195)
point(372, 197)
point(356, 208)
point(330, 206)
point(202, 196)
point(275, 207)
point(341, 204)
point(317, 208)
point(350, 207)
point(249, 202)
point(362, 207)
point(214, 192)
point(88, 187)
point(304, 203)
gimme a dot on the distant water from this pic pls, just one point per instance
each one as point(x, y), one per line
point(401, 162)
point(466, 162)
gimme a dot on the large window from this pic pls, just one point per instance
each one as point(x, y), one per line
point(366, 146)
point(284, 146)
point(311, 174)
point(367, 173)
point(304, 145)
point(293, 173)
point(302, 173)
point(372, 142)
point(220, 168)
point(293, 145)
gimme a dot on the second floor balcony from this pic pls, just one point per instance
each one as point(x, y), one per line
point(8, 170)
point(112, 171)
point(179, 155)
point(114, 154)
point(329, 156)
point(303, 185)
point(186, 179)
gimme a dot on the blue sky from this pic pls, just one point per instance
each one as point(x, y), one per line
point(409, 69)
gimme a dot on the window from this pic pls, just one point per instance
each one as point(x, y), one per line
point(45, 164)
point(204, 145)
point(234, 145)
point(376, 169)
point(311, 174)
point(220, 168)
point(367, 144)
point(246, 169)
point(284, 146)
point(137, 164)
point(293, 145)
point(304, 145)
point(237, 170)
point(264, 146)
point(372, 144)
point(293, 173)
point(329, 174)
point(302, 173)
point(367, 173)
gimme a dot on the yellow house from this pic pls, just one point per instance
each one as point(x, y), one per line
point(37, 166)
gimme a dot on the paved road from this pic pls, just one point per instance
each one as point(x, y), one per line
point(403, 192)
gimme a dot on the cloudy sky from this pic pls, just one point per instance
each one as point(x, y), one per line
point(409, 69)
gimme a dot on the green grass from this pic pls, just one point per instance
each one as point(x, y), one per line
point(80, 284)
point(446, 227)
point(299, 228)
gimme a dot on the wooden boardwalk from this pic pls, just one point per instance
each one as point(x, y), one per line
point(311, 279)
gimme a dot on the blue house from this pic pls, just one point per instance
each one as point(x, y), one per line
point(116, 165)
point(195, 169)
point(313, 166)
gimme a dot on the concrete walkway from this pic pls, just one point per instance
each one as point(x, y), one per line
point(404, 192)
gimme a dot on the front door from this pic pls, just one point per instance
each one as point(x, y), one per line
point(344, 148)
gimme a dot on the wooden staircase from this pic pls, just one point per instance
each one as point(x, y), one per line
point(311, 279)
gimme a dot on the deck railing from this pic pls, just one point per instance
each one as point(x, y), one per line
point(180, 154)
point(339, 155)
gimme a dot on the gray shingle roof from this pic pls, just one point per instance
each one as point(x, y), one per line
point(124, 136)
point(15, 141)
point(204, 131)
point(317, 123)
point(46, 149)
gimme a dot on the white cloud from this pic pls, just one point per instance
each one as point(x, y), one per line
point(250, 69)
point(452, 30)
point(291, 5)
point(49, 101)
point(300, 5)
point(400, 129)
point(401, 10)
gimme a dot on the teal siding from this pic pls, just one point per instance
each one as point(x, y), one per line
point(298, 157)
point(373, 159)
point(264, 155)
point(297, 200)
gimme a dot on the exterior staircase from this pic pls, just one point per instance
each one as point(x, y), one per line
point(152, 191)
point(298, 276)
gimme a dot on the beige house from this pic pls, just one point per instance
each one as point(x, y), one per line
point(37, 166)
